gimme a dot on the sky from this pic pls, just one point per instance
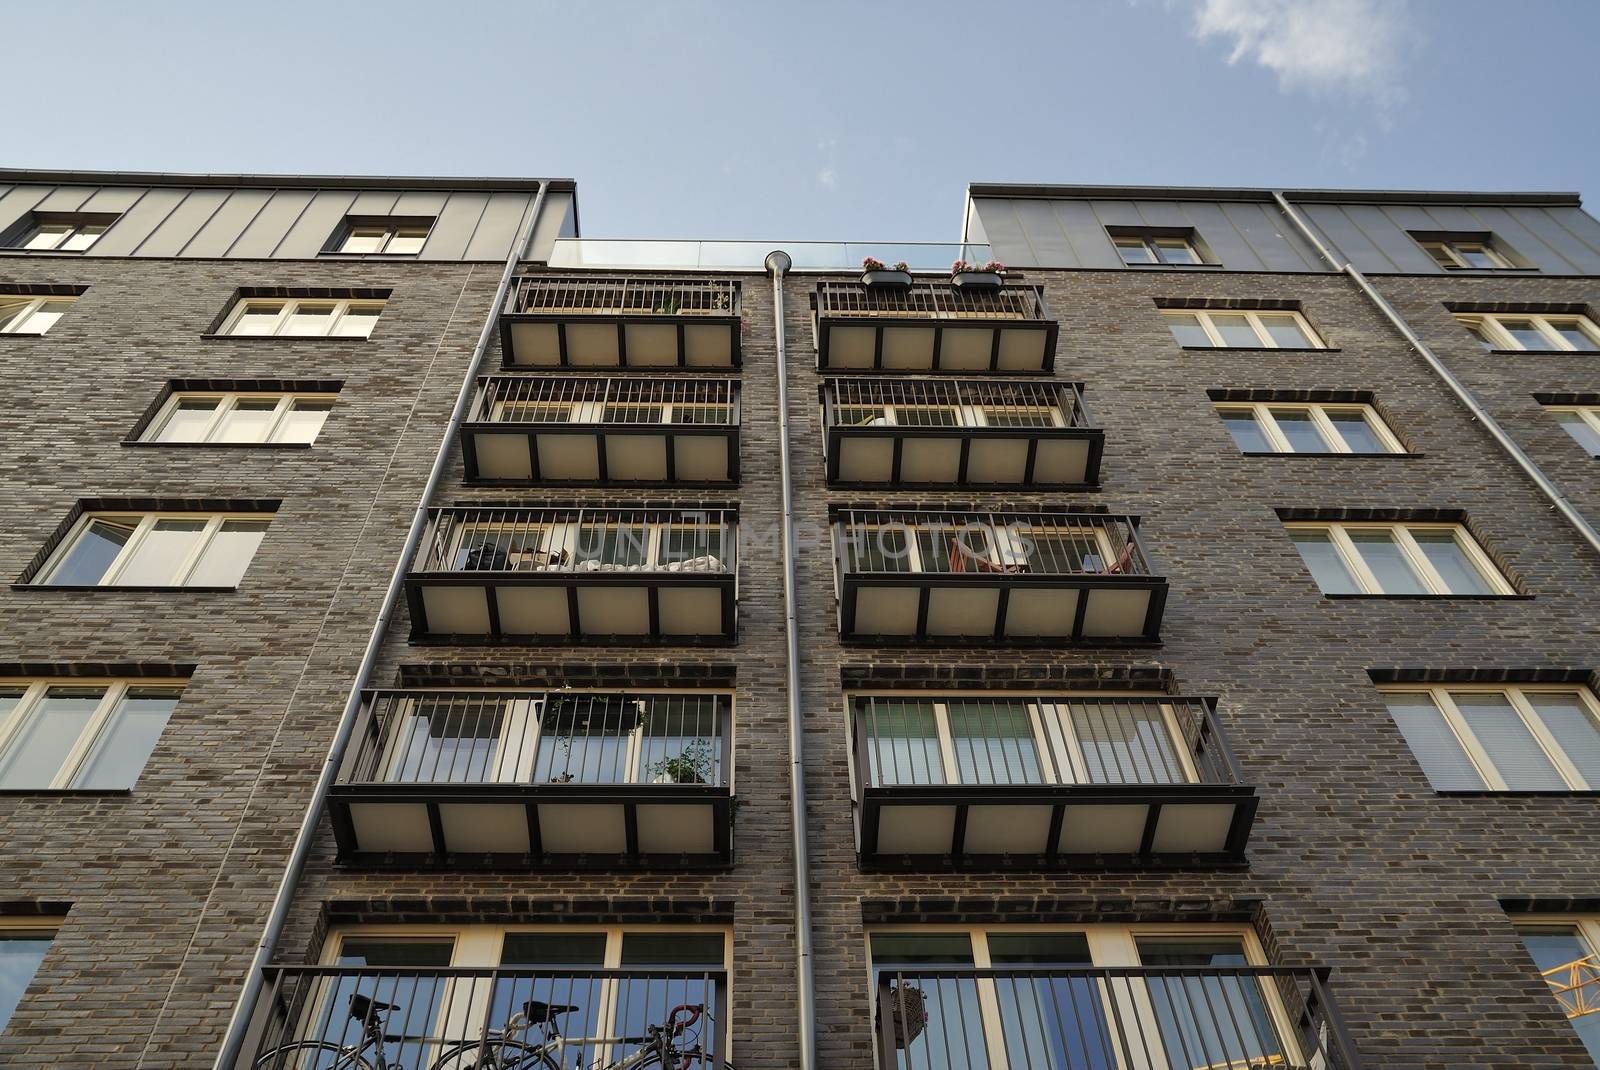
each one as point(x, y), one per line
point(817, 120)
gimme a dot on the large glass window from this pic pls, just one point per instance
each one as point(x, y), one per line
point(1566, 952)
point(230, 418)
point(1284, 427)
point(1397, 559)
point(156, 550)
point(1502, 739)
point(80, 736)
point(1534, 333)
point(1241, 329)
point(1582, 422)
point(22, 949)
point(28, 314)
point(302, 318)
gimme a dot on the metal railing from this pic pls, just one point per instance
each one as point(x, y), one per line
point(538, 737)
point(317, 1017)
point(1043, 740)
point(932, 300)
point(1050, 544)
point(524, 399)
point(1576, 985)
point(884, 402)
point(1109, 1018)
point(579, 541)
point(622, 295)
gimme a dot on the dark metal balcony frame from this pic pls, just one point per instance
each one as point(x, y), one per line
point(598, 390)
point(1221, 784)
point(934, 305)
point(1078, 426)
point(851, 582)
point(591, 298)
point(725, 581)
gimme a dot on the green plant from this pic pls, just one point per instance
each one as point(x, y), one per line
point(692, 765)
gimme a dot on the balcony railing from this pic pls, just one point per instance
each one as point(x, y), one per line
point(531, 778)
point(312, 1017)
point(1046, 782)
point(576, 575)
point(931, 326)
point(621, 321)
point(959, 432)
point(526, 429)
point(1008, 577)
point(1109, 1018)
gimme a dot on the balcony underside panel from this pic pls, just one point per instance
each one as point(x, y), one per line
point(965, 458)
point(1054, 826)
point(636, 341)
point(582, 608)
point(1018, 609)
point(885, 344)
point(533, 826)
point(608, 455)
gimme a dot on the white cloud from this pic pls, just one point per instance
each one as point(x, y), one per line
point(1350, 46)
point(828, 177)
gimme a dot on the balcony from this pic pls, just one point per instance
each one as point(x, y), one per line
point(1046, 783)
point(621, 321)
point(1015, 578)
point(959, 433)
point(933, 327)
point(457, 1018)
point(528, 780)
point(554, 430)
point(575, 575)
point(1109, 1018)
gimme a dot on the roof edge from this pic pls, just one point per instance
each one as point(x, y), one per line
point(1246, 193)
point(24, 175)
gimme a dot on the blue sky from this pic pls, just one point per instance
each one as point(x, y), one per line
point(819, 120)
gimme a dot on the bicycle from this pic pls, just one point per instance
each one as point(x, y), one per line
point(501, 1049)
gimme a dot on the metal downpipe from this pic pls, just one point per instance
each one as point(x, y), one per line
point(239, 1023)
point(1546, 486)
point(778, 262)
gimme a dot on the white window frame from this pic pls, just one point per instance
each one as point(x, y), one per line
point(1253, 316)
point(1261, 413)
point(227, 401)
point(1339, 535)
point(1585, 926)
point(390, 232)
point(75, 228)
point(1517, 696)
point(1481, 323)
point(38, 303)
point(1153, 248)
point(1452, 260)
point(342, 307)
point(146, 523)
point(105, 712)
point(1589, 414)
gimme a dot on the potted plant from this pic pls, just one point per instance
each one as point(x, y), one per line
point(989, 276)
point(692, 765)
point(876, 275)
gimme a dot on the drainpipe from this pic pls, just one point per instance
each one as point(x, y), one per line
point(778, 262)
point(1457, 387)
point(243, 1010)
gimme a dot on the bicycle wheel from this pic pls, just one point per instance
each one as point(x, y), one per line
point(504, 1055)
point(311, 1055)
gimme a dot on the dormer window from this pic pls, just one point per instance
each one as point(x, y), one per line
point(1169, 246)
point(381, 236)
point(50, 232)
point(1464, 251)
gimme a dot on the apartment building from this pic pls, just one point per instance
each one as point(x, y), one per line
point(440, 640)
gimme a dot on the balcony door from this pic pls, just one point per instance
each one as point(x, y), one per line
point(1097, 997)
point(462, 738)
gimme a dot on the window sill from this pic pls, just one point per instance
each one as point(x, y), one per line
point(45, 252)
point(218, 445)
point(22, 334)
point(1543, 793)
point(1544, 353)
point(1257, 349)
point(92, 793)
point(334, 254)
point(1431, 597)
point(281, 338)
point(1175, 267)
point(133, 588)
point(1340, 456)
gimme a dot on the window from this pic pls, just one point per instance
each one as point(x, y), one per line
point(1566, 952)
point(302, 318)
point(1501, 738)
point(69, 734)
point(1463, 252)
point(31, 314)
point(1582, 422)
point(240, 418)
point(1534, 333)
point(1241, 330)
point(1291, 427)
point(385, 237)
point(23, 943)
point(61, 233)
point(1397, 559)
point(156, 550)
point(1137, 249)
